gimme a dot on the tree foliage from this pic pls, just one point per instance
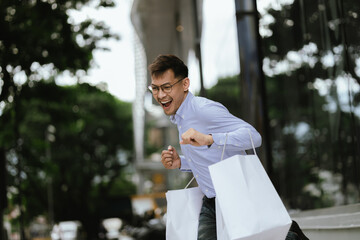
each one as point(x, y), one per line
point(35, 33)
point(75, 140)
point(39, 36)
point(310, 58)
point(227, 92)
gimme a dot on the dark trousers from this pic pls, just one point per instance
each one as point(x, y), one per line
point(207, 223)
point(207, 220)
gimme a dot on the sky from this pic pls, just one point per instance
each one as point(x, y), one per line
point(116, 67)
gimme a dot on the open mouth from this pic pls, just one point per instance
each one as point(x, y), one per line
point(166, 104)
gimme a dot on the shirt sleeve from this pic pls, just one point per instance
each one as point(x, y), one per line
point(184, 165)
point(239, 135)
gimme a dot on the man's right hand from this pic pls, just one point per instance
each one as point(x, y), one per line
point(170, 158)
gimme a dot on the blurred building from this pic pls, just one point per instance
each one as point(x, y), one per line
point(161, 27)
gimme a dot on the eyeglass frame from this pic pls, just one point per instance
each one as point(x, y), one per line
point(162, 87)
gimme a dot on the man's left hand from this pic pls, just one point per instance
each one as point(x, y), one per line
point(196, 138)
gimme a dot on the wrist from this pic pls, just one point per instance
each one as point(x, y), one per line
point(210, 140)
point(179, 161)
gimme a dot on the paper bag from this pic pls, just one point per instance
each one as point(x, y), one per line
point(247, 204)
point(183, 210)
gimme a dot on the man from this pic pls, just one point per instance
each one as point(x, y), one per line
point(203, 125)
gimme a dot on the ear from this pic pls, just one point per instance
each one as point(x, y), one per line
point(186, 84)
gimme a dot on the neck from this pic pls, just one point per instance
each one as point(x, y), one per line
point(186, 93)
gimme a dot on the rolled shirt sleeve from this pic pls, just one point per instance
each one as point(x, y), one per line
point(184, 164)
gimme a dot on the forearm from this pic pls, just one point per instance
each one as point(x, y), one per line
point(238, 139)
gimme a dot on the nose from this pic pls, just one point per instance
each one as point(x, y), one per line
point(161, 93)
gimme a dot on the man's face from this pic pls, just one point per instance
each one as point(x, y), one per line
point(170, 102)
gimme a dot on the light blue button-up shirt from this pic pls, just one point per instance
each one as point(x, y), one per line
point(209, 117)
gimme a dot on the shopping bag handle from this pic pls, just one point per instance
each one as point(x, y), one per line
point(223, 151)
point(252, 142)
point(226, 136)
point(222, 154)
point(189, 183)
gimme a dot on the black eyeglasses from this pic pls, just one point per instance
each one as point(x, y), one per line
point(166, 88)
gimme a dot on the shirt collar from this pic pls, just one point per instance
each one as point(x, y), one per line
point(180, 113)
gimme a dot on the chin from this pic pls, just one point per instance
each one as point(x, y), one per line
point(168, 113)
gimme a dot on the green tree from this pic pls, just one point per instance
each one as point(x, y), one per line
point(39, 34)
point(312, 128)
point(227, 92)
point(36, 33)
point(75, 142)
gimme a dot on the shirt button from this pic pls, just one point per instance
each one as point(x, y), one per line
point(180, 127)
point(206, 190)
point(197, 176)
point(182, 116)
point(219, 147)
point(189, 160)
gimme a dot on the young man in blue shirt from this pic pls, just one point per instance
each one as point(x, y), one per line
point(203, 125)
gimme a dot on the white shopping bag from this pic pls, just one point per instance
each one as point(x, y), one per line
point(247, 204)
point(183, 210)
point(221, 231)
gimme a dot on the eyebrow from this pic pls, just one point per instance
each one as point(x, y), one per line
point(160, 85)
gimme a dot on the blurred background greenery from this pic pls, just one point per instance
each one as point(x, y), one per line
point(63, 149)
point(67, 152)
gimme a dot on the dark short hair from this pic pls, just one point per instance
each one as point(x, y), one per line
point(162, 63)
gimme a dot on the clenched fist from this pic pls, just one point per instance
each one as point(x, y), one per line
point(196, 138)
